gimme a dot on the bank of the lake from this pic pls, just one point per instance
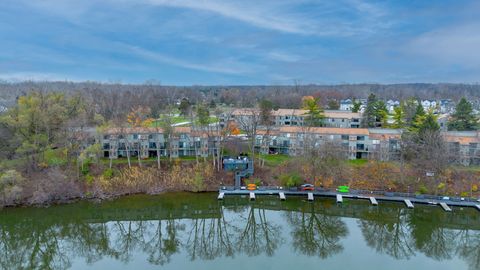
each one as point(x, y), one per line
point(195, 231)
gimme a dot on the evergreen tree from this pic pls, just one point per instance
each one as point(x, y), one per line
point(381, 113)
point(314, 116)
point(463, 118)
point(356, 106)
point(185, 107)
point(370, 117)
point(376, 112)
point(398, 117)
point(429, 124)
point(418, 118)
point(409, 108)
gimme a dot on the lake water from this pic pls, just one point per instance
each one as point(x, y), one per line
point(195, 231)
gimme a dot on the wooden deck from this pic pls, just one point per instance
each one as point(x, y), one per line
point(374, 199)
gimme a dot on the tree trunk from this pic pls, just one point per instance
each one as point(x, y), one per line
point(158, 155)
point(128, 154)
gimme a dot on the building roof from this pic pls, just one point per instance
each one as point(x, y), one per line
point(299, 112)
point(324, 130)
point(144, 130)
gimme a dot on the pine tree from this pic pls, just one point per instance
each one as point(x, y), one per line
point(398, 117)
point(418, 118)
point(375, 112)
point(370, 117)
point(356, 106)
point(314, 116)
point(429, 123)
point(463, 118)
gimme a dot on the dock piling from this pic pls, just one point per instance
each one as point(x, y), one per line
point(221, 195)
point(310, 196)
point(445, 207)
point(339, 198)
point(282, 196)
point(373, 201)
point(252, 196)
point(409, 203)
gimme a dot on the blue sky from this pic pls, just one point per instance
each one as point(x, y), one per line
point(220, 42)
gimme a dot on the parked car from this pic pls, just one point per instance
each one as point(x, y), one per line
point(446, 198)
point(306, 187)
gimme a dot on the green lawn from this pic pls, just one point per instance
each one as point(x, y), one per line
point(181, 119)
point(357, 162)
point(274, 160)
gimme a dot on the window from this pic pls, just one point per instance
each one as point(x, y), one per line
point(106, 137)
point(360, 146)
point(345, 137)
point(135, 136)
point(360, 138)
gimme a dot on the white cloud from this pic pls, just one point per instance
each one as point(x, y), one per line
point(35, 76)
point(224, 66)
point(451, 45)
point(279, 15)
point(283, 56)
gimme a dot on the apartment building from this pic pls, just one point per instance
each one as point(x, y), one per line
point(151, 142)
point(293, 117)
point(353, 143)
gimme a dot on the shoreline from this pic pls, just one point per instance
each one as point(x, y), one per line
point(272, 191)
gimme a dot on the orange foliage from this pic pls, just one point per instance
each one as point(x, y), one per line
point(138, 116)
point(232, 129)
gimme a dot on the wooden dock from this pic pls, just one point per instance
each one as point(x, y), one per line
point(408, 203)
point(445, 207)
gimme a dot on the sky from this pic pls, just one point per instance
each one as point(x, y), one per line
point(222, 42)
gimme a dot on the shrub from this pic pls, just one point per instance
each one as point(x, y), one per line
point(290, 180)
point(108, 173)
point(441, 186)
point(423, 190)
point(89, 179)
point(198, 183)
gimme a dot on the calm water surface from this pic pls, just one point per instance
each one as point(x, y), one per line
point(194, 231)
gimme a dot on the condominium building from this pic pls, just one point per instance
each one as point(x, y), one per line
point(292, 117)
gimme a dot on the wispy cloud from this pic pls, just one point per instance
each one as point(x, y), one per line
point(35, 76)
point(283, 56)
point(456, 44)
point(280, 15)
point(224, 66)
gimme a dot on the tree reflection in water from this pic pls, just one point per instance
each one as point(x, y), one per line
point(315, 234)
point(259, 234)
point(53, 238)
point(387, 231)
point(210, 238)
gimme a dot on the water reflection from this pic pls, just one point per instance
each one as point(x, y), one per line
point(199, 228)
point(316, 234)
